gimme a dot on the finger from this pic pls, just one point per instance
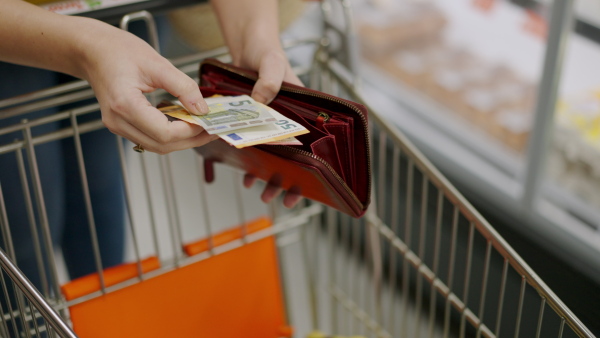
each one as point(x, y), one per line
point(291, 198)
point(136, 136)
point(183, 87)
point(196, 141)
point(135, 109)
point(249, 180)
point(271, 192)
point(270, 75)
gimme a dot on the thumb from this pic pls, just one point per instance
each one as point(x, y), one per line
point(270, 76)
point(184, 88)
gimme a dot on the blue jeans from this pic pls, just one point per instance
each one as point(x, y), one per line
point(61, 186)
point(60, 179)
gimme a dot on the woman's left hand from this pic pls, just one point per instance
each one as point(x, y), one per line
point(251, 31)
point(273, 68)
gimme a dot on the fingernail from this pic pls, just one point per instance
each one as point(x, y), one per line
point(260, 98)
point(200, 108)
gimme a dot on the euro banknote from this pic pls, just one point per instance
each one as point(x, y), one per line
point(228, 113)
point(279, 131)
point(283, 128)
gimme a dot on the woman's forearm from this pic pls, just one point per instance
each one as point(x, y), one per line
point(35, 37)
point(247, 22)
point(119, 66)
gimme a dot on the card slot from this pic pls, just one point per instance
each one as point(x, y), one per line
point(307, 107)
point(339, 126)
point(307, 113)
point(292, 114)
point(344, 141)
point(319, 142)
point(306, 139)
point(326, 149)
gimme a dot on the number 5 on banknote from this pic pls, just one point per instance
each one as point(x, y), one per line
point(285, 124)
point(239, 103)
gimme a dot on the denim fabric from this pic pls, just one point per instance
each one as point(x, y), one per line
point(60, 179)
point(61, 186)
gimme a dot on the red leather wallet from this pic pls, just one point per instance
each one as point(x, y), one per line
point(332, 166)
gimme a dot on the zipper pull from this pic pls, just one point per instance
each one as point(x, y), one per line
point(322, 118)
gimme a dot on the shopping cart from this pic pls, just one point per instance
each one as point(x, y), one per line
point(421, 263)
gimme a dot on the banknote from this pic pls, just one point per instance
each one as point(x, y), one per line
point(228, 113)
point(280, 131)
point(290, 141)
point(276, 132)
point(178, 112)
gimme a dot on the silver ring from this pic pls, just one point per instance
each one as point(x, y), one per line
point(139, 148)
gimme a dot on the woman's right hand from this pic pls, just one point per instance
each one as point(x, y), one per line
point(120, 68)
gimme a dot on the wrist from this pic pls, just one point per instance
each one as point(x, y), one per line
point(257, 40)
point(89, 43)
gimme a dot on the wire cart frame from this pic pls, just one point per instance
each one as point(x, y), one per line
point(422, 262)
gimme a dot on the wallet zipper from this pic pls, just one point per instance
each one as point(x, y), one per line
point(306, 153)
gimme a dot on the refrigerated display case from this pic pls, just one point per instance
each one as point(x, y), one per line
point(479, 93)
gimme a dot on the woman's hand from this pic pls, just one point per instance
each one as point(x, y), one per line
point(251, 31)
point(121, 68)
point(273, 67)
point(273, 190)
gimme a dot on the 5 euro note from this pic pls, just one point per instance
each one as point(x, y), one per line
point(241, 121)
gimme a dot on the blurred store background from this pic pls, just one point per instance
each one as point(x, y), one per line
point(463, 80)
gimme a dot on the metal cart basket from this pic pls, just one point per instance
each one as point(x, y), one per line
point(422, 262)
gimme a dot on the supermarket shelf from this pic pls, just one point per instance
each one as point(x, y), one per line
point(488, 173)
point(447, 122)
